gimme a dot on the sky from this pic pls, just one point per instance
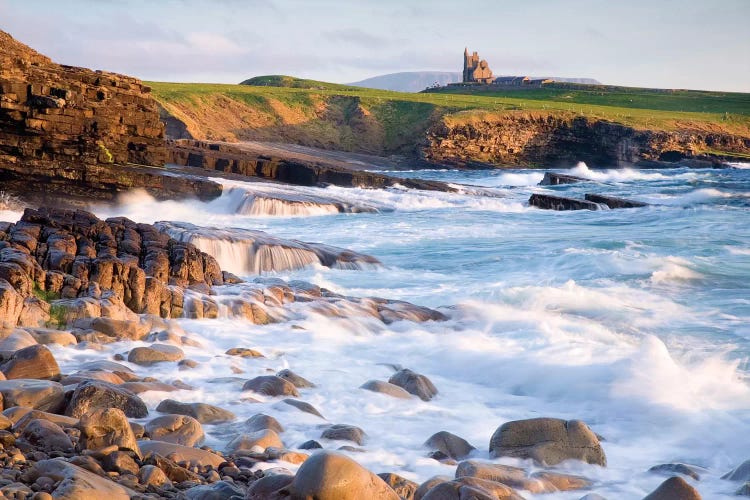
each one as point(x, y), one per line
point(650, 43)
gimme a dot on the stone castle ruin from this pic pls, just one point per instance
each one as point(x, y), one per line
point(476, 70)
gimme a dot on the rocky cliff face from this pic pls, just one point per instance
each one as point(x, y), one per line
point(531, 139)
point(65, 129)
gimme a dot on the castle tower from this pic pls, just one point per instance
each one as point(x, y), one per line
point(476, 71)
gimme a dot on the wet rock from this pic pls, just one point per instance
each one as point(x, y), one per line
point(156, 353)
point(44, 395)
point(139, 387)
point(174, 472)
point(244, 352)
point(35, 361)
point(47, 436)
point(115, 328)
point(76, 483)
point(82, 376)
point(402, 486)
point(553, 179)
point(613, 202)
point(271, 385)
point(303, 406)
point(310, 445)
point(739, 473)
point(220, 490)
point(202, 412)
point(181, 454)
point(11, 304)
point(15, 340)
point(548, 441)
point(511, 476)
point(688, 470)
point(344, 432)
point(261, 422)
point(451, 445)
point(53, 337)
point(96, 394)
point(386, 388)
point(674, 488)
point(263, 439)
point(414, 383)
point(549, 202)
point(270, 487)
point(105, 427)
point(332, 476)
point(470, 488)
point(299, 382)
point(179, 429)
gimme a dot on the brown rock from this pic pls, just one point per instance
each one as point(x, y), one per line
point(271, 385)
point(11, 304)
point(23, 418)
point(120, 462)
point(179, 429)
point(270, 487)
point(263, 438)
point(75, 483)
point(181, 454)
point(95, 394)
point(402, 486)
point(449, 444)
point(332, 476)
point(202, 412)
point(156, 353)
point(151, 475)
point(386, 388)
point(35, 361)
point(414, 383)
point(344, 432)
point(548, 441)
point(298, 381)
point(261, 422)
point(303, 406)
point(674, 488)
point(104, 427)
point(428, 485)
point(244, 352)
point(46, 435)
point(44, 395)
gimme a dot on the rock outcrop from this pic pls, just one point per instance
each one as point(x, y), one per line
point(541, 138)
point(71, 130)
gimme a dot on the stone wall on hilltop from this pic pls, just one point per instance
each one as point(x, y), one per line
point(56, 119)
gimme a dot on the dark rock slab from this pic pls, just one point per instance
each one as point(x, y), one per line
point(549, 202)
point(614, 202)
point(552, 179)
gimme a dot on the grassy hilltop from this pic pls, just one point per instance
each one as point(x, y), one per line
point(286, 109)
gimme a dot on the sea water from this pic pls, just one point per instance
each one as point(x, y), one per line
point(636, 321)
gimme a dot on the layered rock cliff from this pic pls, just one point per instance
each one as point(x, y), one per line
point(65, 129)
point(531, 139)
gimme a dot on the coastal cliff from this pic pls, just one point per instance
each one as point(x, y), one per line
point(66, 129)
point(535, 139)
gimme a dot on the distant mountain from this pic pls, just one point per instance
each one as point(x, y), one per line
point(410, 81)
point(416, 81)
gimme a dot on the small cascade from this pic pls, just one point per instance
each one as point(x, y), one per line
point(244, 251)
point(281, 201)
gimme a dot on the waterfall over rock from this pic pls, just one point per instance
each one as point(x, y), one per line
point(245, 251)
point(284, 202)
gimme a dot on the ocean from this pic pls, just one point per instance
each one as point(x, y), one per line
point(636, 321)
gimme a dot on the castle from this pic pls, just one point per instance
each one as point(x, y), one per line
point(476, 71)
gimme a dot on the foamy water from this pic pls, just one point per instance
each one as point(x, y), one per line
point(635, 321)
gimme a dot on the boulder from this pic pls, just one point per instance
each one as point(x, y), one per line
point(693, 471)
point(35, 361)
point(298, 381)
point(548, 441)
point(56, 337)
point(14, 340)
point(181, 454)
point(471, 488)
point(270, 487)
point(118, 329)
point(120, 462)
point(674, 488)
point(179, 429)
point(151, 475)
point(331, 476)
point(553, 179)
point(46, 435)
point(271, 385)
point(449, 444)
point(96, 394)
point(44, 395)
point(104, 427)
point(22, 416)
point(303, 406)
point(739, 473)
point(344, 432)
point(548, 202)
point(244, 352)
point(220, 490)
point(414, 383)
point(202, 412)
point(386, 388)
point(263, 438)
point(76, 483)
point(11, 304)
point(261, 422)
point(613, 202)
point(402, 486)
point(156, 353)
point(426, 486)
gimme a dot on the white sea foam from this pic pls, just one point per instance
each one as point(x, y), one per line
point(625, 174)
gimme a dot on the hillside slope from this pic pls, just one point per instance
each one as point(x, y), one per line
point(459, 128)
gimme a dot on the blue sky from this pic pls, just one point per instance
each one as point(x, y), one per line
point(655, 43)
